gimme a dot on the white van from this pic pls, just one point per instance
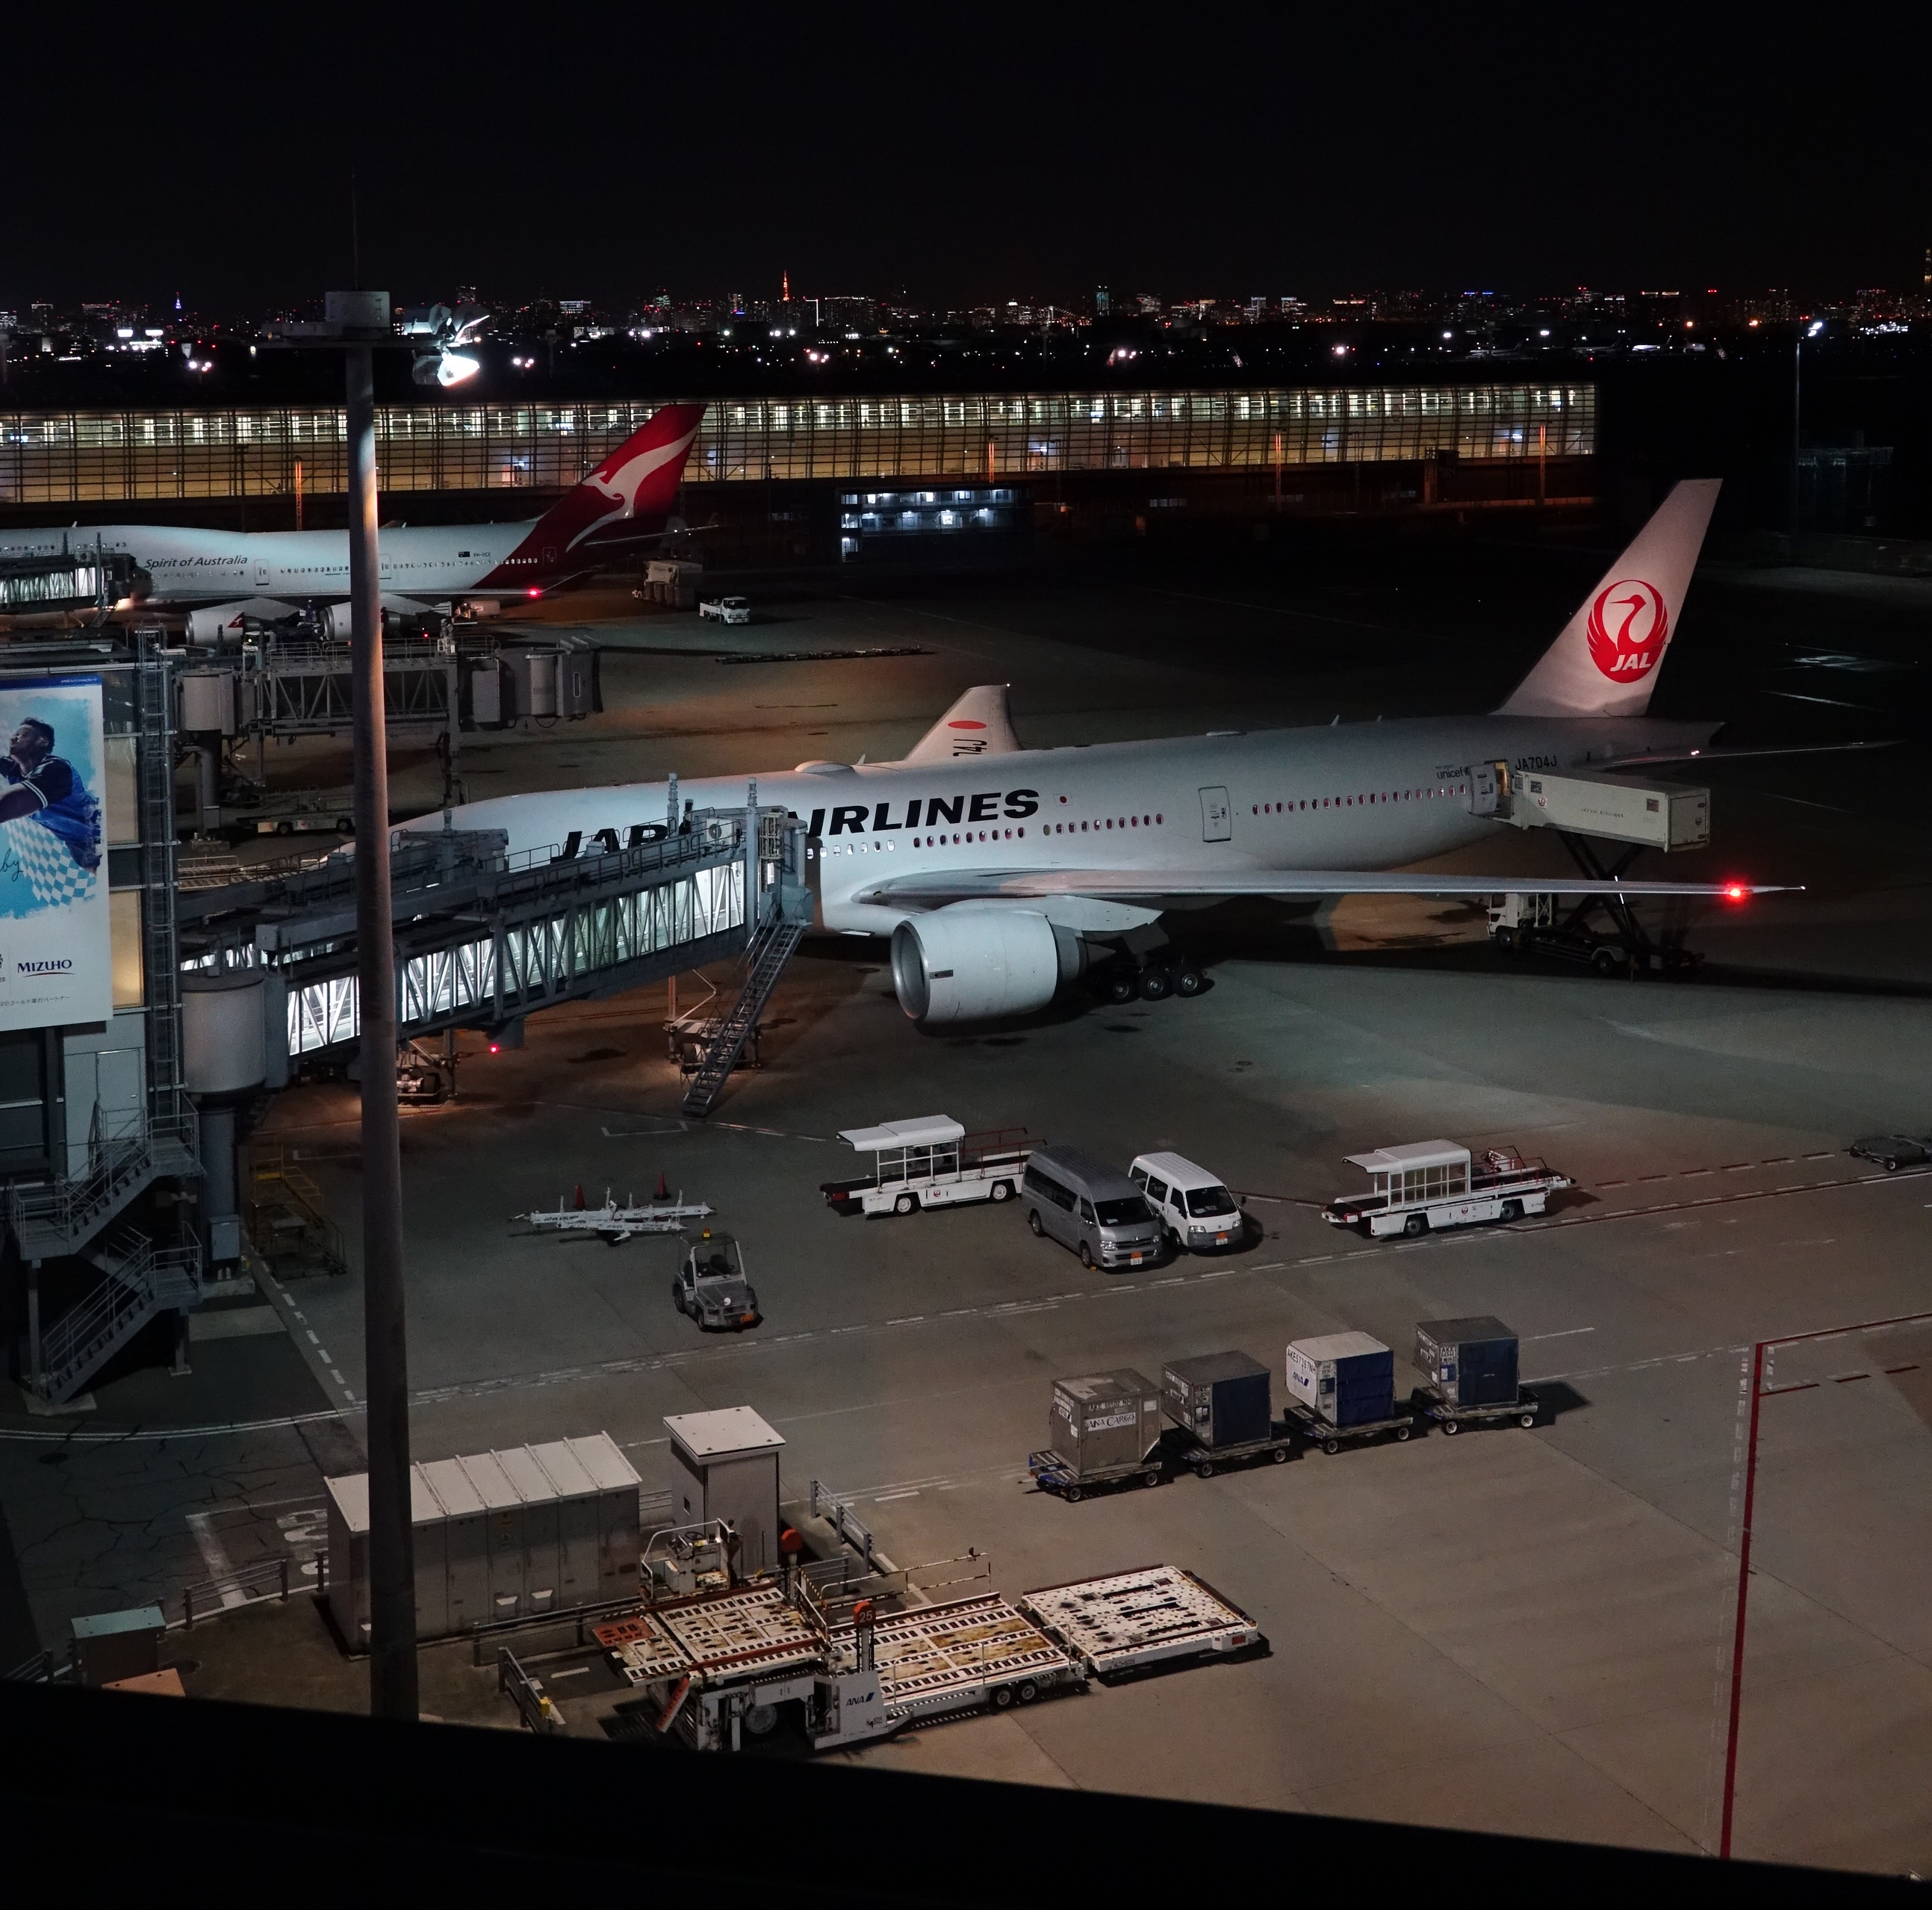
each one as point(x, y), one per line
point(1197, 1211)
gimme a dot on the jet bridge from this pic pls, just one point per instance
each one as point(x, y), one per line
point(484, 939)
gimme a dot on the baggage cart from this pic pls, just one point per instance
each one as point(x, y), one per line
point(1317, 1430)
point(1429, 1404)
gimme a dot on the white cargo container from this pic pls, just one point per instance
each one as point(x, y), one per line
point(1659, 815)
point(497, 1535)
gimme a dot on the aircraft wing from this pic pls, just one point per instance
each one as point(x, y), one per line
point(1159, 887)
point(1695, 757)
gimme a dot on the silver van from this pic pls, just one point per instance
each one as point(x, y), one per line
point(1094, 1208)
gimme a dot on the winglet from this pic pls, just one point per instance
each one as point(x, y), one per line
point(979, 725)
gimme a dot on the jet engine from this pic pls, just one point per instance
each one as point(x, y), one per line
point(220, 624)
point(975, 961)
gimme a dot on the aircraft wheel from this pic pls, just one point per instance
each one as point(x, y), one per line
point(1189, 981)
point(1607, 961)
point(1157, 982)
point(1120, 987)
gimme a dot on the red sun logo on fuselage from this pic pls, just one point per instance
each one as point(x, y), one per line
point(1629, 627)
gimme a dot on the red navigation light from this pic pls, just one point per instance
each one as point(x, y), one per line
point(1736, 892)
point(533, 593)
point(496, 1047)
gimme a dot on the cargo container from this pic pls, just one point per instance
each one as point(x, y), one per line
point(1104, 1420)
point(1221, 1399)
point(1103, 1428)
point(1345, 1379)
point(1467, 1362)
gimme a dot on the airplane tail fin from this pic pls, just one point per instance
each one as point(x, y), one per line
point(636, 485)
point(1605, 662)
point(978, 724)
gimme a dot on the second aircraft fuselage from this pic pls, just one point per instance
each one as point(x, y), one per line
point(1363, 796)
point(189, 566)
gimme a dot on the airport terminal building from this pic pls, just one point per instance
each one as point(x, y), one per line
point(841, 478)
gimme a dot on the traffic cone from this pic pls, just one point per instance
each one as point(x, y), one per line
point(664, 1191)
point(579, 1196)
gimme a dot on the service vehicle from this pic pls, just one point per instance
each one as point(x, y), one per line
point(1893, 1152)
point(1424, 1185)
point(712, 1285)
point(727, 610)
point(1192, 1204)
point(929, 1160)
point(1523, 924)
point(1094, 1208)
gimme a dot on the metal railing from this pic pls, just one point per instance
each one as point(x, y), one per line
point(827, 1505)
point(269, 1578)
point(147, 1279)
point(76, 1210)
point(533, 1702)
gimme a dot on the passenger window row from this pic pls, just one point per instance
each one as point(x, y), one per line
point(1353, 802)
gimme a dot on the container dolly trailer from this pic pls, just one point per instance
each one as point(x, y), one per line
point(1470, 1374)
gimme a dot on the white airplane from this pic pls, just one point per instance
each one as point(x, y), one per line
point(614, 1224)
point(222, 577)
point(996, 871)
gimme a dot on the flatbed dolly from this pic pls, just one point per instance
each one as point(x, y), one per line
point(1331, 1439)
point(1052, 1473)
point(1204, 1461)
point(1523, 1409)
point(1132, 1622)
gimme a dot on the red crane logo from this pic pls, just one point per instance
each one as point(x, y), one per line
point(1629, 627)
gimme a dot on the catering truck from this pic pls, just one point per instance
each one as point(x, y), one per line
point(1423, 1185)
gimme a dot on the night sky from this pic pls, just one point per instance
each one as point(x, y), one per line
point(958, 154)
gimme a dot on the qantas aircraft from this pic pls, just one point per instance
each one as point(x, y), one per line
point(997, 871)
point(219, 576)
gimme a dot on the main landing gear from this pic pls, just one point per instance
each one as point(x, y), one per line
point(1123, 980)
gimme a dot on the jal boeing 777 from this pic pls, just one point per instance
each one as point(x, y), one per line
point(997, 871)
point(219, 576)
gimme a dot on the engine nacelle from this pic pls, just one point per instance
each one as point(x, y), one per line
point(975, 961)
point(220, 624)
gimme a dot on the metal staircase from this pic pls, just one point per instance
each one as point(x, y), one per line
point(771, 949)
point(141, 1280)
point(62, 1217)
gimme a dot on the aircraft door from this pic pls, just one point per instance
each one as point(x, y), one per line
point(1489, 789)
point(261, 575)
point(1217, 816)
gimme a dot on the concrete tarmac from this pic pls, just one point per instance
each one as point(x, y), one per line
point(1529, 1631)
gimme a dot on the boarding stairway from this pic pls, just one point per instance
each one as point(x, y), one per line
point(773, 945)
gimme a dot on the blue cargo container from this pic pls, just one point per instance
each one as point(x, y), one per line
point(1222, 1398)
point(1469, 1362)
point(1345, 1378)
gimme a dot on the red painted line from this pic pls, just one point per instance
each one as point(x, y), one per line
point(1612, 1183)
point(1912, 1368)
point(1776, 1160)
point(1744, 1594)
point(1744, 1546)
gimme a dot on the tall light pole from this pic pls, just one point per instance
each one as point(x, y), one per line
point(392, 1588)
point(1797, 410)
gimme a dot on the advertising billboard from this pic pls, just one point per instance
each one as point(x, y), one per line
point(55, 956)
